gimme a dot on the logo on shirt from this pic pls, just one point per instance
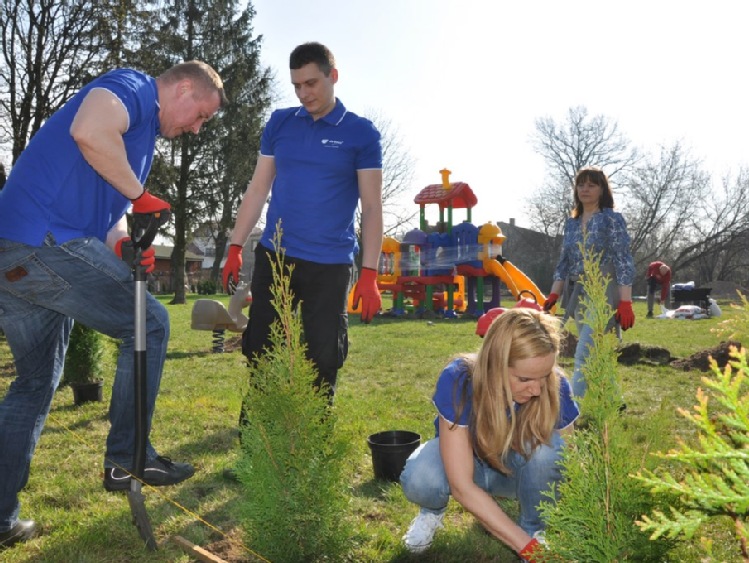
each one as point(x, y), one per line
point(330, 143)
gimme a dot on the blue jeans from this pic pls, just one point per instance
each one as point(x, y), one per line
point(582, 351)
point(42, 289)
point(424, 480)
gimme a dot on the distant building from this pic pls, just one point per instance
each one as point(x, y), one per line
point(536, 254)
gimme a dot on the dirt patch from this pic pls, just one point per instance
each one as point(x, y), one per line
point(701, 360)
point(230, 548)
point(233, 343)
point(638, 353)
point(567, 345)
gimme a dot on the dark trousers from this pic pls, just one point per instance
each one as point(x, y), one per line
point(323, 291)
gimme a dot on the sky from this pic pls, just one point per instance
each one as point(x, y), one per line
point(464, 81)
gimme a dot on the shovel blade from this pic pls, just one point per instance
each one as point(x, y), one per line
point(140, 518)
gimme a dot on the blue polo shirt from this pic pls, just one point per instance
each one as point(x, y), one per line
point(452, 379)
point(316, 191)
point(52, 189)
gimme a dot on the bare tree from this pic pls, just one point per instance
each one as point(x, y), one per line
point(48, 50)
point(397, 176)
point(713, 242)
point(566, 147)
point(663, 194)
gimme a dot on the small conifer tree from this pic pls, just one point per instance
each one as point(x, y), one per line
point(594, 519)
point(84, 356)
point(292, 461)
point(712, 477)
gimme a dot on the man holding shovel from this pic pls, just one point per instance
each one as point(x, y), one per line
point(63, 232)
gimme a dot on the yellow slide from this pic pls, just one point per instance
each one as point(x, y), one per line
point(515, 280)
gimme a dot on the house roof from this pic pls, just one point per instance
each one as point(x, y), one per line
point(164, 252)
point(459, 196)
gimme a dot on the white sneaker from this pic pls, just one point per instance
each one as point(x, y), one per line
point(422, 529)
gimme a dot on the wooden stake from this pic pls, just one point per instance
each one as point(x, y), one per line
point(197, 551)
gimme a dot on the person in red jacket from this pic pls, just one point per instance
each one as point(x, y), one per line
point(658, 274)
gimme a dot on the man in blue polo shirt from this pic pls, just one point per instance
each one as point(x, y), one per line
point(319, 159)
point(63, 230)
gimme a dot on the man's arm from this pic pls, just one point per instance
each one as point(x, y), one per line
point(117, 232)
point(370, 193)
point(97, 129)
point(254, 199)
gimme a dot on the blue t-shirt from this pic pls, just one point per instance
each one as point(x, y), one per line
point(606, 233)
point(316, 191)
point(52, 189)
point(450, 385)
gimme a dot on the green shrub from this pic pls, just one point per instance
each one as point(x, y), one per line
point(712, 477)
point(594, 520)
point(293, 459)
point(207, 287)
point(84, 355)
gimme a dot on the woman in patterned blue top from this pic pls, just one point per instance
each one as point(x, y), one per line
point(595, 224)
point(501, 416)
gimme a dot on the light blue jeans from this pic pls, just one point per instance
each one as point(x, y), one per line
point(424, 480)
point(42, 289)
point(582, 351)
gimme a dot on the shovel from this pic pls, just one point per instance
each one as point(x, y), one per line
point(144, 229)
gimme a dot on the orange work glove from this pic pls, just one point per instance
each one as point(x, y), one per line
point(366, 290)
point(533, 549)
point(233, 265)
point(551, 300)
point(126, 251)
point(146, 203)
point(625, 315)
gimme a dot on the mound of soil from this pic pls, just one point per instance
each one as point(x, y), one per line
point(567, 345)
point(701, 360)
point(638, 353)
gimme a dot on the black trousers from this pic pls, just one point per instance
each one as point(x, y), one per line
point(323, 291)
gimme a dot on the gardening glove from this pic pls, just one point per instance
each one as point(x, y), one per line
point(126, 251)
point(625, 315)
point(534, 549)
point(551, 300)
point(146, 204)
point(366, 291)
point(233, 265)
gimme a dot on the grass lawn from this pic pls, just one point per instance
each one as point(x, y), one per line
point(386, 384)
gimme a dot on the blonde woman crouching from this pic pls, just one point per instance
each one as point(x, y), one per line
point(501, 416)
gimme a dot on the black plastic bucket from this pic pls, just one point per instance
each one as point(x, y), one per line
point(390, 450)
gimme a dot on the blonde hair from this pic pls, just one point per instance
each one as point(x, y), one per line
point(497, 425)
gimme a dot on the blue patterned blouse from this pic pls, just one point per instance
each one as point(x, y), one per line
point(606, 233)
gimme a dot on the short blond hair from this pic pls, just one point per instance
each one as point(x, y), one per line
point(202, 74)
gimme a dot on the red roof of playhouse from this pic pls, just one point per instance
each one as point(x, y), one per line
point(460, 196)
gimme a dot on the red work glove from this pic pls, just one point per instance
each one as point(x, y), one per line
point(551, 300)
point(533, 549)
point(233, 265)
point(366, 290)
point(126, 251)
point(146, 203)
point(625, 315)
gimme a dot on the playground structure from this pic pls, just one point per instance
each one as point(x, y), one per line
point(446, 270)
point(211, 314)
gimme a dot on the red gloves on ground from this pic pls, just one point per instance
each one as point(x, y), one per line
point(146, 203)
point(233, 265)
point(366, 291)
point(625, 315)
point(126, 251)
point(534, 548)
point(551, 300)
